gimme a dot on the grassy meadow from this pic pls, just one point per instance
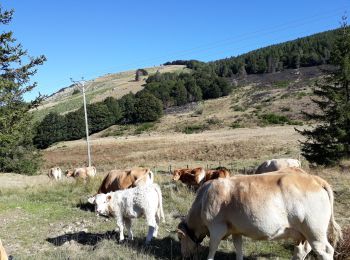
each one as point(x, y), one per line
point(43, 219)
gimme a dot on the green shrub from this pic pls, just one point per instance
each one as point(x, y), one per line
point(236, 125)
point(272, 118)
point(275, 119)
point(194, 128)
point(281, 84)
point(75, 91)
point(144, 127)
point(213, 121)
point(238, 108)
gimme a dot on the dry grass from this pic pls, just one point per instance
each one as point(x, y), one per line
point(233, 148)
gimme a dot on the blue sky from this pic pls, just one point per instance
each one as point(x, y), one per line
point(91, 38)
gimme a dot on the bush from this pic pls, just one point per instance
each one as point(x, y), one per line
point(275, 119)
point(75, 91)
point(143, 128)
point(213, 121)
point(238, 108)
point(272, 118)
point(281, 84)
point(236, 125)
point(191, 129)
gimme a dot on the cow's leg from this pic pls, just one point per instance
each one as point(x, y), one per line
point(323, 249)
point(238, 243)
point(152, 224)
point(127, 222)
point(155, 233)
point(150, 234)
point(120, 225)
point(301, 250)
point(217, 232)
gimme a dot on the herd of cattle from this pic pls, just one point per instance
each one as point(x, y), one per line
point(280, 201)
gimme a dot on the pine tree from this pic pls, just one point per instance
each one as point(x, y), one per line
point(17, 152)
point(329, 141)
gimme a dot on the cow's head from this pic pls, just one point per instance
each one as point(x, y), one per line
point(176, 175)
point(69, 173)
point(188, 246)
point(101, 202)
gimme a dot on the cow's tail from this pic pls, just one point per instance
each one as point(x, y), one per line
point(200, 178)
point(334, 230)
point(151, 176)
point(160, 211)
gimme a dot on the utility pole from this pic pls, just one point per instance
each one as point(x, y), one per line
point(81, 86)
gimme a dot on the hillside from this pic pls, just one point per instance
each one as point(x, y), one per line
point(280, 95)
point(113, 84)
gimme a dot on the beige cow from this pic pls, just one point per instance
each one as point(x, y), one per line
point(84, 172)
point(264, 207)
point(55, 173)
point(277, 164)
point(123, 179)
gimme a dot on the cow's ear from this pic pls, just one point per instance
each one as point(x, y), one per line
point(91, 200)
point(108, 198)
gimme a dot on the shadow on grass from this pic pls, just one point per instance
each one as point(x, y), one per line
point(86, 206)
point(164, 248)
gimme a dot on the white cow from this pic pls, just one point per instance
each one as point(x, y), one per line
point(265, 207)
point(277, 164)
point(132, 203)
point(55, 173)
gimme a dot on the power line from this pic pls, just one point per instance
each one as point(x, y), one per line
point(81, 85)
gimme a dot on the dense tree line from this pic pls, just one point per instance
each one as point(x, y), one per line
point(303, 52)
point(160, 91)
point(175, 89)
point(129, 109)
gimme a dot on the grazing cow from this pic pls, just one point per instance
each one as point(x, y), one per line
point(215, 174)
point(191, 177)
point(264, 207)
point(124, 179)
point(132, 203)
point(277, 164)
point(84, 172)
point(3, 255)
point(55, 173)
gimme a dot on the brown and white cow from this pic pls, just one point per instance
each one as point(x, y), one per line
point(3, 255)
point(55, 173)
point(84, 172)
point(124, 179)
point(191, 177)
point(277, 164)
point(215, 174)
point(264, 207)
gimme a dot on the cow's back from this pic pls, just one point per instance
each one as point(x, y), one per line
point(116, 180)
point(277, 164)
